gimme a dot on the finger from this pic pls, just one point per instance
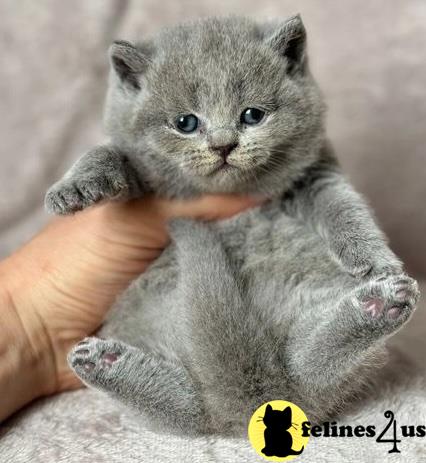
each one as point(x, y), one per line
point(210, 207)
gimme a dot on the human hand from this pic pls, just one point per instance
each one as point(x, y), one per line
point(57, 289)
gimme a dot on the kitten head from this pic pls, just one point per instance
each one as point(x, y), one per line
point(277, 418)
point(219, 105)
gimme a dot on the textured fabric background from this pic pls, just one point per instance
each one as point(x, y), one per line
point(370, 60)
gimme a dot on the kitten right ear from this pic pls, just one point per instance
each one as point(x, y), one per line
point(128, 62)
point(290, 41)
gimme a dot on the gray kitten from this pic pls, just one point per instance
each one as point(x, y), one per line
point(293, 300)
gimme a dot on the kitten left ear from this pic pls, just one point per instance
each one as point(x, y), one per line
point(290, 41)
point(128, 62)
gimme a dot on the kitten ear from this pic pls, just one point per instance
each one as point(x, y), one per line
point(268, 409)
point(289, 40)
point(128, 62)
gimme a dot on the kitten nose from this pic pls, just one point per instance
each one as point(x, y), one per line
point(224, 150)
point(222, 141)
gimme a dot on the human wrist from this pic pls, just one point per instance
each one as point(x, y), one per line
point(26, 364)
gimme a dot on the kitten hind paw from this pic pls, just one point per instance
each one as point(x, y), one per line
point(95, 360)
point(384, 304)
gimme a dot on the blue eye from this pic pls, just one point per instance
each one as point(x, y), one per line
point(252, 116)
point(187, 124)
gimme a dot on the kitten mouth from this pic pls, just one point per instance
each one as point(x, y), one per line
point(224, 167)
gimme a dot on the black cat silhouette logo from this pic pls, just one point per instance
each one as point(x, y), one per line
point(275, 431)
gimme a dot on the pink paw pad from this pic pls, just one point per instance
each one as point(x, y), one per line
point(394, 312)
point(374, 306)
point(402, 294)
point(89, 366)
point(108, 358)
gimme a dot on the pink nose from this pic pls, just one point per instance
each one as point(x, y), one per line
point(224, 150)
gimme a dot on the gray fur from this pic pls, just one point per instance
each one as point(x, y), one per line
point(293, 300)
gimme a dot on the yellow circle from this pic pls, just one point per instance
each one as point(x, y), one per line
point(275, 431)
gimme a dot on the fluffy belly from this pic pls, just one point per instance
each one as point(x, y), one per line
point(272, 255)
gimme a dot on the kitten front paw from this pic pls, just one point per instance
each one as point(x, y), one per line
point(70, 195)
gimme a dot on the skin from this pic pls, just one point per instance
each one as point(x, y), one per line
point(57, 289)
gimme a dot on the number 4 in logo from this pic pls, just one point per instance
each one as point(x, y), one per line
point(392, 421)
